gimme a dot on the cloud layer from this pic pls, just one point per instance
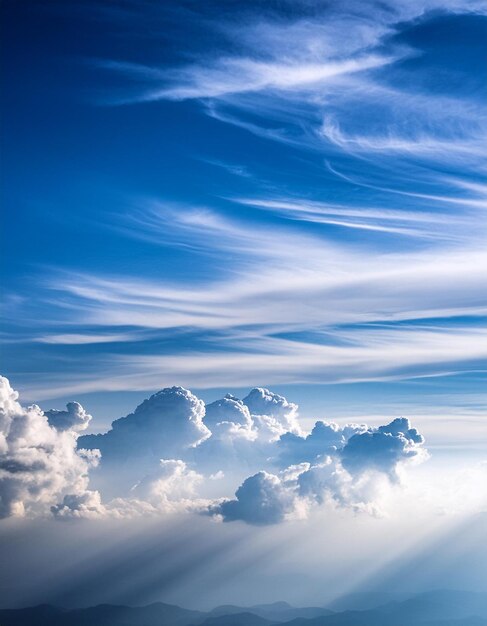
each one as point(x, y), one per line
point(173, 454)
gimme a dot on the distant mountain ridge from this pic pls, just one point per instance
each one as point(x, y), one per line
point(364, 601)
point(157, 614)
point(275, 612)
point(436, 608)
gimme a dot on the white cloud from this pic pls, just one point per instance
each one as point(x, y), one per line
point(172, 487)
point(228, 410)
point(288, 475)
point(419, 145)
point(86, 505)
point(419, 224)
point(357, 475)
point(328, 483)
point(353, 467)
point(38, 463)
point(74, 418)
point(262, 499)
point(77, 339)
point(234, 76)
point(163, 426)
point(303, 68)
point(361, 354)
point(285, 54)
point(324, 439)
point(383, 449)
point(272, 412)
point(272, 289)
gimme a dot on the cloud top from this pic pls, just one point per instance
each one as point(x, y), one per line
point(74, 417)
point(383, 449)
point(164, 425)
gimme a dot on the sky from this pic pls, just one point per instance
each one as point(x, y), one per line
point(223, 196)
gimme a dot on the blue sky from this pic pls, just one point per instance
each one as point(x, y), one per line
point(228, 195)
point(280, 194)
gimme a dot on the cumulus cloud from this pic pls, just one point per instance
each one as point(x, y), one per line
point(351, 467)
point(74, 418)
point(171, 488)
point(229, 418)
point(168, 425)
point(325, 438)
point(163, 426)
point(261, 499)
point(228, 409)
point(262, 415)
point(86, 505)
point(174, 424)
point(383, 449)
point(271, 412)
point(173, 485)
point(329, 483)
point(169, 455)
point(266, 498)
point(38, 463)
point(244, 432)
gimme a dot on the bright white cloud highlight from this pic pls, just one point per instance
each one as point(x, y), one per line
point(38, 462)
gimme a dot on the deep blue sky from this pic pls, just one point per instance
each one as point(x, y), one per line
point(223, 195)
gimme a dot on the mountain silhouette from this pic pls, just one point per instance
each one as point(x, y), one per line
point(366, 600)
point(277, 611)
point(435, 608)
point(157, 614)
point(238, 619)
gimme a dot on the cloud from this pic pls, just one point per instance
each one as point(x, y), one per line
point(272, 412)
point(128, 471)
point(77, 339)
point(171, 487)
point(324, 439)
point(420, 224)
point(266, 499)
point(38, 463)
point(353, 467)
point(242, 75)
point(233, 433)
point(314, 66)
point(244, 432)
point(74, 418)
point(261, 499)
point(163, 426)
point(383, 449)
point(419, 145)
point(328, 483)
point(87, 505)
point(173, 423)
point(229, 410)
point(241, 319)
point(287, 53)
point(360, 352)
